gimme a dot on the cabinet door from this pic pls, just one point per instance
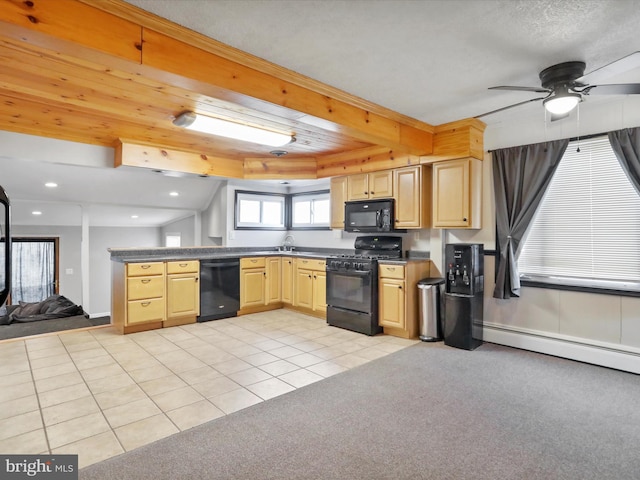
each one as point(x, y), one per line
point(408, 188)
point(304, 288)
point(451, 193)
point(252, 287)
point(287, 280)
point(320, 291)
point(338, 197)
point(183, 296)
point(381, 184)
point(457, 193)
point(392, 301)
point(358, 187)
point(273, 294)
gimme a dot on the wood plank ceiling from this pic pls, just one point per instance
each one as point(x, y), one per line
point(104, 72)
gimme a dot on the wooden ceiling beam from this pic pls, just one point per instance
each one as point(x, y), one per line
point(178, 63)
point(159, 158)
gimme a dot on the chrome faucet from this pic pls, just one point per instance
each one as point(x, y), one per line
point(287, 243)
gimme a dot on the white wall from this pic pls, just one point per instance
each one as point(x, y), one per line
point(186, 227)
point(218, 224)
point(69, 255)
point(102, 238)
point(596, 328)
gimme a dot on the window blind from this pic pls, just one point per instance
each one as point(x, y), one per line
point(587, 228)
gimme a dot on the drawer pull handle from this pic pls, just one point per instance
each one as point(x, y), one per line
point(254, 261)
point(144, 267)
point(391, 268)
point(146, 280)
point(145, 304)
point(183, 264)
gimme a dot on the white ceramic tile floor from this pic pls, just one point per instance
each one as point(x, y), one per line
point(98, 394)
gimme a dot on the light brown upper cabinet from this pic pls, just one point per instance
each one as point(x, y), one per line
point(413, 196)
point(366, 186)
point(338, 197)
point(457, 193)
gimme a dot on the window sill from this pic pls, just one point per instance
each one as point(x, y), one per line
point(622, 290)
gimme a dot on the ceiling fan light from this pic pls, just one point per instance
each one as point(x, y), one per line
point(228, 129)
point(561, 104)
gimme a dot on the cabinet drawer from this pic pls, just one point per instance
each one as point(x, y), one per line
point(312, 264)
point(143, 269)
point(145, 287)
point(187, 266)
point(139, 311)
point(252, 262)
point(392, 271)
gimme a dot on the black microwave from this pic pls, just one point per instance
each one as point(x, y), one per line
point(369, 216)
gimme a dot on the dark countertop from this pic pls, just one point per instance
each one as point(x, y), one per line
point(165, 254)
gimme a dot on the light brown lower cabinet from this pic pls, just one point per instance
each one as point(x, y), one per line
point(398, 297)
point(310, 286)
point(150, 295)
point(260, 284)
point(183, 292)
point(287, 280)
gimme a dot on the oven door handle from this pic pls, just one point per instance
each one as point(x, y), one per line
point(352, 273)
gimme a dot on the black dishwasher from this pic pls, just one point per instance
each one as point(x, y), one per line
point(219, 288)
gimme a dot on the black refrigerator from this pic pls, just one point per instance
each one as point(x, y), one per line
point(464, 295)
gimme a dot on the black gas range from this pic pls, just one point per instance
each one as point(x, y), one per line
point(352, 283)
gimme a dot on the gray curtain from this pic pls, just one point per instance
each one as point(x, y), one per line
point(521, 175)
point(33, 271)
point(626, 145)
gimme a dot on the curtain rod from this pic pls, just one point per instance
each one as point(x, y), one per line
point(573, 139)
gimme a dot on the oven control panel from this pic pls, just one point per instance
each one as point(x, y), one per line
point(344, 264)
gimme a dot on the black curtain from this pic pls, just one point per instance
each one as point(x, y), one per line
point(521, 176)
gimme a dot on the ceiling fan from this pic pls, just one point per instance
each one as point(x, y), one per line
point(565, 84)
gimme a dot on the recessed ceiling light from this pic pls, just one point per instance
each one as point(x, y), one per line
point(174, 194)
point(134, 216)
point(51, 184)
point(36, 212)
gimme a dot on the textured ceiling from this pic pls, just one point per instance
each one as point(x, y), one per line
point(432, 60)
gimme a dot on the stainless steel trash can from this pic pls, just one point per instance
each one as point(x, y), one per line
point(429, 309)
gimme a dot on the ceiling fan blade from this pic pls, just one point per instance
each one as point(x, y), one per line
point(522, 89)
point(510, 106)
point(613, 89)
point(617, 67)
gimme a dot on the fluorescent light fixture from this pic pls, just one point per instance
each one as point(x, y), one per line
point(36, 212)
point(134, 216)
point(238, 131)
point(51, 184)
point(562, 102)
point(174, 194)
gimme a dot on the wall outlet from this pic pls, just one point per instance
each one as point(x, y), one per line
point(337, 233)
point(232, 234)
point(68, 271)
